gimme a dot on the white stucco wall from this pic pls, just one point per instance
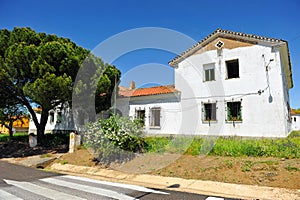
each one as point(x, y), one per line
point(169, 104)
point(264, 115)
point(296, 122)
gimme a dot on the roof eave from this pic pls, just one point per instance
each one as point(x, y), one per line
point(226, 34)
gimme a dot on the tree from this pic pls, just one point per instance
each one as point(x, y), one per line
point(106, 87)
point(9, 113)
point(39, 68)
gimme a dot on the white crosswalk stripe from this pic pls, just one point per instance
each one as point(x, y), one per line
point(49, 193)
point(99, 191)
point(121, 185)
point(75, 188)
point(5, 195)
point(214, 198)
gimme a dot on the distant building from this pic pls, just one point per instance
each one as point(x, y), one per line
point(59, 120)
point(295, 117)
point(20, 125)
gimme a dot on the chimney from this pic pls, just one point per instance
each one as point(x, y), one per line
point(132, 85)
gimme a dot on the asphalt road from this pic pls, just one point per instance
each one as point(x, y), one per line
point(19, 182)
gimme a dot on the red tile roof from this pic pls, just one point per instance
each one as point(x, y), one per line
point(295, 112)
point(147, 91)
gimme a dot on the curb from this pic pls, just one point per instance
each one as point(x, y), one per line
point(183, 185)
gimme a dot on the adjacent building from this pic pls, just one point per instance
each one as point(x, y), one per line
point(295, 117)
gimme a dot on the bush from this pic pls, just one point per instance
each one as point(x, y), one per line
point(114, 139)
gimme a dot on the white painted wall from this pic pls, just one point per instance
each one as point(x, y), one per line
point(169, 104)
point(261, 117)
point(66, 123)
point(296, 122)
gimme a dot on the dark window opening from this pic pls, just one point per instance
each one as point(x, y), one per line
point(51, 117)
point(232, 69)
point(210, 112)
point(294, 119)
point(140, 116)
point(234, 111)
point(59, 117)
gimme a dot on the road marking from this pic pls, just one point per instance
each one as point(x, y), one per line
point(49, 193)
point(214, 198)
point(90, 189)
point(120, 185)
point(5, 195)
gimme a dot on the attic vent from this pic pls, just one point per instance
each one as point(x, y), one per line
point(219, 44)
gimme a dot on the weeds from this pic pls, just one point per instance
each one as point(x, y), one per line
point(288, 148)
point(247, 165)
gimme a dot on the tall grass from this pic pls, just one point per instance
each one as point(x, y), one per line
point(235, 146)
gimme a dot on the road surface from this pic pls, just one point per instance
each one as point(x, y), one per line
point(19, 182)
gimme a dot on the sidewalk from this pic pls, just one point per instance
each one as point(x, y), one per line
point(160, 182)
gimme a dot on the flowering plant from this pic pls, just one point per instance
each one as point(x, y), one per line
point(114, 139)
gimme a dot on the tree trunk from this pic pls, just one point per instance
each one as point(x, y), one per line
point(10, 133)
point(41, 127)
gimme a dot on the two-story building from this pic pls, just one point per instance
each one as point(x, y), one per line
point(229, 84)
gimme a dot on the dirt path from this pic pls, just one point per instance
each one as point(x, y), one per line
point(274, 172)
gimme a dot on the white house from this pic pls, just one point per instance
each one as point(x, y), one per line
point(59, 120)
point(295, 116)
point(229, 84)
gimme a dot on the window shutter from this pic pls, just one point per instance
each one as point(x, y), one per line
point(226, 111)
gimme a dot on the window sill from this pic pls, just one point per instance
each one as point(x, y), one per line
point(231, 78)
point(235, 121)
point(211, 121)
point(155, 127)
point(209, 81)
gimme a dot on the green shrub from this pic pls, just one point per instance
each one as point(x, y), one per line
point(114, 139)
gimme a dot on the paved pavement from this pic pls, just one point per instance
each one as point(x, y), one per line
point(209, 188)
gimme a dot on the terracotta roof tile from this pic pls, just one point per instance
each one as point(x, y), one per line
point(295, 112)
point(148, 91)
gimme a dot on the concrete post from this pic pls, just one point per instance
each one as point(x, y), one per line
point(72, 143)
point(32, 140)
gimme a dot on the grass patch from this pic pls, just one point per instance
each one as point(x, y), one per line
point(231, 146)
point(292, 168)
point(64, 162)
point(21, 137)
point(46, 155)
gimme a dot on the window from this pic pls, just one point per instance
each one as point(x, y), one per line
point(59, 117)
point(140, 116)
point(51, 116)
point(234, 111)
point(155, 117)
point(209, 72)
point(210, 112)
point(232, 69)
point(294, 119)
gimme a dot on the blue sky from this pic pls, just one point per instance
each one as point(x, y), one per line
point(88, 23)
